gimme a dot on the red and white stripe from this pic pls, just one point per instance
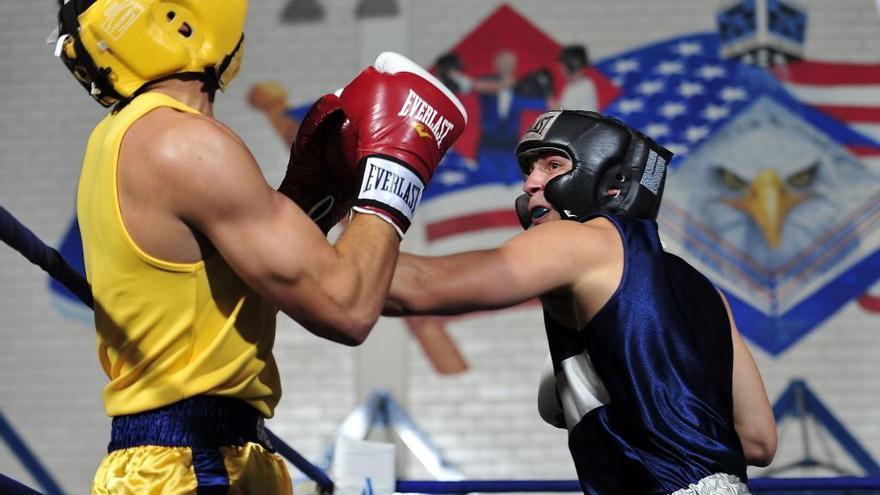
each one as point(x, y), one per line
point(849, 92)
point(471, 218)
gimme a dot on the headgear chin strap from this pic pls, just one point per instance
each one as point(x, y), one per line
point(615, 169)
point(115, 48)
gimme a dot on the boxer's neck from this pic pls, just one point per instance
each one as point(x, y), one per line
point(191, 92)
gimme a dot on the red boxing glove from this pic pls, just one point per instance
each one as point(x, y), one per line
point(405, 121)
point(321, 173)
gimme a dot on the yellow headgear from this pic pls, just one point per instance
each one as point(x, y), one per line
point(114, 47)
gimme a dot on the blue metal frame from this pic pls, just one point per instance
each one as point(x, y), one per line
point(30, 462)
point(799, 401)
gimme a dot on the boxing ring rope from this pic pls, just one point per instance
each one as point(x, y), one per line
point(844, 484)
point(840, 485)
point(20, 238)
point(23, 240)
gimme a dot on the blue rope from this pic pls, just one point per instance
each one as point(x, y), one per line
point(487, 486)
point(30, 462)
point(24, 241)
point(758, 485)
point(313, 472)
point(9, 486)
point(765, 485)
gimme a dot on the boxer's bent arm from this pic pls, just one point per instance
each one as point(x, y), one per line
point(752, 413)
point(545, 258)
point(336, 292)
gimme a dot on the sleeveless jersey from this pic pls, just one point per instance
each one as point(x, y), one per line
point(166, 331)
point(662, 347)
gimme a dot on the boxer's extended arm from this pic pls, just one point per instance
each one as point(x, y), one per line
point(752, 413)
point(217, 188)
point(542, 259)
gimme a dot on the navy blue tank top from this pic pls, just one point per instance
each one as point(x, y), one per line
point(662, 347)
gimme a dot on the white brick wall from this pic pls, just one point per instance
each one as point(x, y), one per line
point(485, 420)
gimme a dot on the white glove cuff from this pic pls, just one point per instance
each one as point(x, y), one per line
point(391, 190)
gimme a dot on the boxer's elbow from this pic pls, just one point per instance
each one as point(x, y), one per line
point(350, 306)
point(348, 324)
point(759, 449)
point(353, 322)
point(347, 328)
point(350, 338)
point(760, 455)
point(357, 327)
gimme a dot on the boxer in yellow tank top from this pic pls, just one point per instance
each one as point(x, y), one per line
point(215, 340)
point(190, 252)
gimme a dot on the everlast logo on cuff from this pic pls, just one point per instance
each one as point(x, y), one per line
point(416, 107)
point(378, 179)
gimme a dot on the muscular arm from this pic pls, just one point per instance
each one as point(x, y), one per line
point(548, 257)
point(217, 189)
point(752, 414)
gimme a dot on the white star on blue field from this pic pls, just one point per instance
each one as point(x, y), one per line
point(681, 91)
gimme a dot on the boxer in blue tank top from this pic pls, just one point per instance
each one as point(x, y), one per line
point(647, 371)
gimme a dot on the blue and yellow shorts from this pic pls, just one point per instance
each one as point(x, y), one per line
point(200, 446)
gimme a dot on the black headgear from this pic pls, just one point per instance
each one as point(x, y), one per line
point(606, 154)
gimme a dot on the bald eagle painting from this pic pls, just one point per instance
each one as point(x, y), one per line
point(770, 185)
point(773, 207)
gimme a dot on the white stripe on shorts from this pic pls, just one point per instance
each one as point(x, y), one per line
point(716, 484)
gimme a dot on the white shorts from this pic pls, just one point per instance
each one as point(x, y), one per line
point(716, 484)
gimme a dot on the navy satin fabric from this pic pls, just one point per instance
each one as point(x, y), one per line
point(663, 349)
point(201, 421)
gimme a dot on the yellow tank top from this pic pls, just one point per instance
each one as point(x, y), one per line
point(166, 331)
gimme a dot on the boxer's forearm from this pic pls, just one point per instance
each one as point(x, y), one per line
point(454, 284)
point(407, 286)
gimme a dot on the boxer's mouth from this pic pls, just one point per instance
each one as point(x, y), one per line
point(539, 211)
